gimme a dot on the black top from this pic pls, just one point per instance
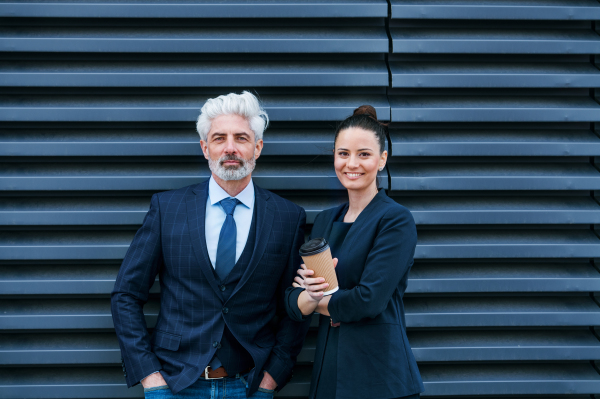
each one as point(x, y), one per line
point(327, 380)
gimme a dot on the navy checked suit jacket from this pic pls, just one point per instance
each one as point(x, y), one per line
point(171, 243)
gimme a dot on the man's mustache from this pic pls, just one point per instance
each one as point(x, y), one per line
point(232, 158)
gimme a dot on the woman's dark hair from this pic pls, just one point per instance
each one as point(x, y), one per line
point(365, 117)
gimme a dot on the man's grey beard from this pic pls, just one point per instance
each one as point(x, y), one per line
point(231, 172)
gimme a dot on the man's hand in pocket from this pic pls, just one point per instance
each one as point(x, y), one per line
point(153, 380)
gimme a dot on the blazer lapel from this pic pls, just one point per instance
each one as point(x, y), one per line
point(363, 218)
point(264, 223)
point(196, 211)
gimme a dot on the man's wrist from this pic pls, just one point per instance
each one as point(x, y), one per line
point(153, 380)
point(268, 382)
point(149, 375)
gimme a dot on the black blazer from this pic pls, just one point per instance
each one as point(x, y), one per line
point(172, 244)
point(374, 354)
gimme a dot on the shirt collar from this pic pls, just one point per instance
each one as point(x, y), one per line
point(216, 193)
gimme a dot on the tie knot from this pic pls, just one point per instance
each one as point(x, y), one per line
point(229, 205)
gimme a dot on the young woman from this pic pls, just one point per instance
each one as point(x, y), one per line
point(362, 348)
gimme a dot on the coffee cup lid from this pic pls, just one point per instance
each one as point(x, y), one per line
point(314, 246)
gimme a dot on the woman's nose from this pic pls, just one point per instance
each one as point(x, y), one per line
point(353, 162)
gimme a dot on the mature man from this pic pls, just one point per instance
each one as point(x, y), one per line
point(225, 251)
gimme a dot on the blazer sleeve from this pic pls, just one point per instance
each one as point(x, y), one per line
point(292, 293)
point(136, 275)
point(289, 334)
point(388, 261)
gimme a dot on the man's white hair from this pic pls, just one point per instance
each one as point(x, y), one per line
point(245, 105)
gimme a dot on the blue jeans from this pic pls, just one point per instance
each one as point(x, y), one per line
point(224, 388)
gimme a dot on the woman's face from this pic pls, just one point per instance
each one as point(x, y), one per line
point(357, 159)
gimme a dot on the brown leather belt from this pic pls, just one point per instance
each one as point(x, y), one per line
point(216, 373)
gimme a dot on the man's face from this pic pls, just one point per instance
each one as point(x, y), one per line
point(230, 147)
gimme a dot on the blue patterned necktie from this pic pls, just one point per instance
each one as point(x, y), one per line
point(227, 240)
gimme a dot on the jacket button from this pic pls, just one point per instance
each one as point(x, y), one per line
point(225, 310)
point(222, 287)
point(216, 344)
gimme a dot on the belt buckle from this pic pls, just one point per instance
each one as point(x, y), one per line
point(206, 377)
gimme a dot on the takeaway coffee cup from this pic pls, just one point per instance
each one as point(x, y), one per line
point(317, 257)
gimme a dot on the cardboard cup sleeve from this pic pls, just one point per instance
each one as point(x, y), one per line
point(317, 257)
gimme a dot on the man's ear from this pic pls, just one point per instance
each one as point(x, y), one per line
point(204, 147)
point(258, 148)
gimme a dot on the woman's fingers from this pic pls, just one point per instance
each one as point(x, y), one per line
point(317, 287)
point(312, 281)
point(335, 262)
point(295, 285)
point(298, 281)
point(316, 296)
point(304, 273)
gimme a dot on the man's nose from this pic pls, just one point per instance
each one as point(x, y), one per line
point(230, 146)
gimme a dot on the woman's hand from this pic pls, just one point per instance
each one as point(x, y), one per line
point(314, 287)
point(303, 272)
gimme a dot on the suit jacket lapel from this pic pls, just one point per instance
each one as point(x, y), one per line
point(363, 218)
point(264, 223)
point(196, 211)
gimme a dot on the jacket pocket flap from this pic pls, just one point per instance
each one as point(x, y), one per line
point(166, 340)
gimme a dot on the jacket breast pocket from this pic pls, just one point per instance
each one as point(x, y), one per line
point(166, 340)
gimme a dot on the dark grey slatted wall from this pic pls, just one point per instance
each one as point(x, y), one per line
point(493, 118)
point(492, 107)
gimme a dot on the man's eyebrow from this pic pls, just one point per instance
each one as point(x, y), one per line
point(235, 134)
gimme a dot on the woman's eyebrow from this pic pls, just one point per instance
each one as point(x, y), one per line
point(360, 149)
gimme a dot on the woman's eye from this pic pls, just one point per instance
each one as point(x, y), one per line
point(343, 154)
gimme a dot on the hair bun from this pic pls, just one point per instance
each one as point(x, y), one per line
point(366, 110)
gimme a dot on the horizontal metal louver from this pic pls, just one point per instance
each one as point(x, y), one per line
point(492, 110)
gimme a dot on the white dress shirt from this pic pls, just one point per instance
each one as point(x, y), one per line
point(215, 216)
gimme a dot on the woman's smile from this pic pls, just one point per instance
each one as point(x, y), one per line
point(353, 175)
